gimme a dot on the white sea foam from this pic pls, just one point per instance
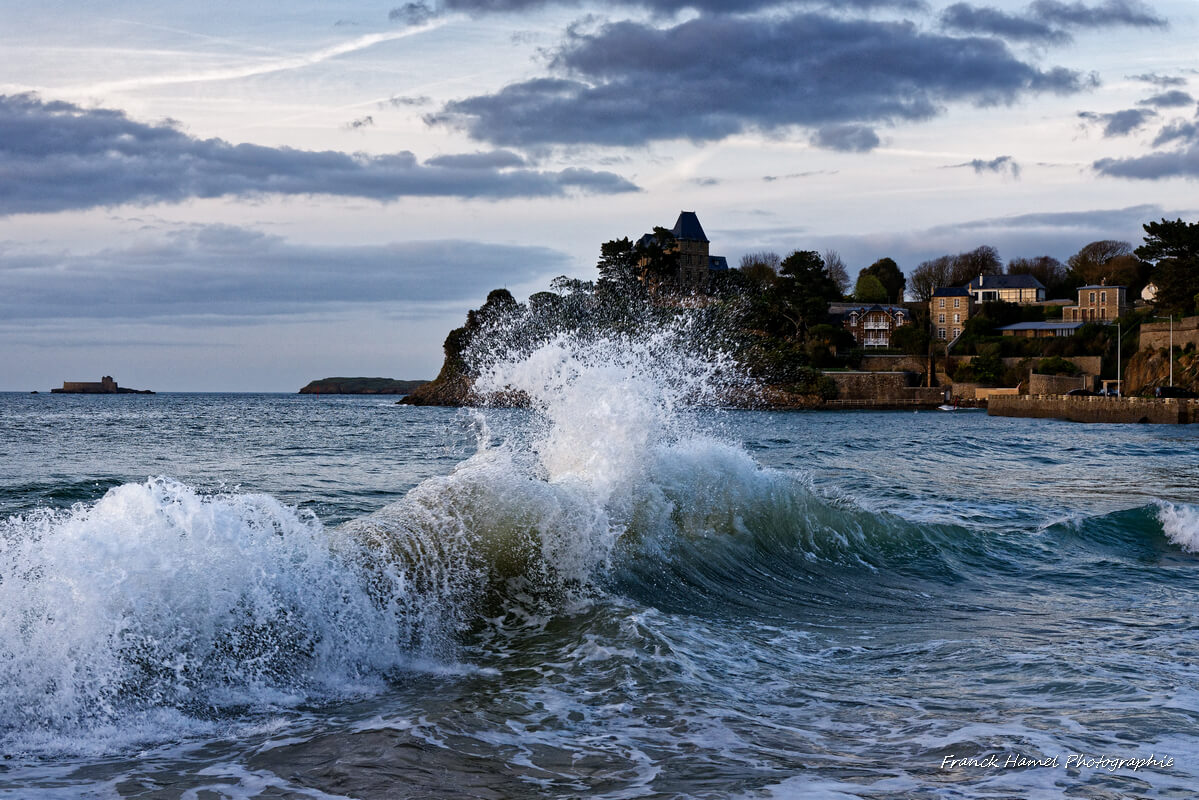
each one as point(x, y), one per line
point(157, 597)
point(1180, 523)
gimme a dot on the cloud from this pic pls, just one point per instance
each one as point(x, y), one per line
point(663, 7)
point(1175, 131)
point(57, 156)
point(496, 159)
point(1120, 123)
point(413, 14)
point(1047, 21)
point(999, 165)
point(994, 22)
point(237, 273)
point(361, 122)
point(1171, 99)
point(630, 83)
point(1159, 80)
point(847, 138)
point(1106, 14)
point(1180, 163)
point(399, 101)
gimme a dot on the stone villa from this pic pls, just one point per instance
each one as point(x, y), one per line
point(696, 263)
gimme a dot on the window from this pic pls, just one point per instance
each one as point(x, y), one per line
point(957, 318)
point(957, 332)
point(1092, 298)
point(1103, 298)
point(1102, 313)
point(941, 319)
point(956, 302)
point(942, 303)
point(940, 333)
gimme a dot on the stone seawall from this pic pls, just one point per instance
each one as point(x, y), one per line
point(1165, 411)
point(1156, 335)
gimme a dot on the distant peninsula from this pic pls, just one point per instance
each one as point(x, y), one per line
point(105, 385)
point(361, 386)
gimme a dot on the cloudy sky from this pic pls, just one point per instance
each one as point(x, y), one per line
point(226, 196)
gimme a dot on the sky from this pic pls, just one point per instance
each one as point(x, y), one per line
point(234, 197)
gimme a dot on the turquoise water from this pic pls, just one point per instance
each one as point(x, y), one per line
point(249, 596)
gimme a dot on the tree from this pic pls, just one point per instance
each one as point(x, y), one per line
point(658, 257)
point(979, 261)
point(1105, 261)
point(869, 289)
point(803, 291)
point(760, 267)
point(911, 339)
point(890, 276)
point(1173, 248)
point(930, 276)
point(618, 262)
point(1047, 269)
point(837, 270)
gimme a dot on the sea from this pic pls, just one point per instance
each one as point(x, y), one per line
point(617, 592)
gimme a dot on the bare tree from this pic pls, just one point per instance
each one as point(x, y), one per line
point(837, 270)
point(929, 276)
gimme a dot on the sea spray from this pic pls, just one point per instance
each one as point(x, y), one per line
point(1180, 523)
point(159, 597)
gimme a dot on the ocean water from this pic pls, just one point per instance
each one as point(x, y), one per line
point(613, 594)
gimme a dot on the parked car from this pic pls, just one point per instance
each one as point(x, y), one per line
point(1173, 391)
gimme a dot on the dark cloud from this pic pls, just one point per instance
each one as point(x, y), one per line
point(1171, 99)
point(846, 138)
point(1120, 123)
point(400, 101)
point(1179, 130)
point(999, 165)
point(1159, 80)
point(476, 7)
point(496, 159)
point(1180, 163)
point(1059, 234)
point(56, 156)
point(413, 14)
point(994, 22)
point(708, 78)
point(222, 271)
point(361, 122)
point(1047, 21)
point(1103, 15)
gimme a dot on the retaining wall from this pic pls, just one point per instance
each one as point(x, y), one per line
point(1097, 409)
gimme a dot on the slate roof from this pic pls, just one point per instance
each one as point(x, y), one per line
point(1043, 326)
point(718, 263)
point(687, 227)
point(1005, 282)
point(950, 291)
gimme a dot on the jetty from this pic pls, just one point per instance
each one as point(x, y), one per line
point(1155, 410)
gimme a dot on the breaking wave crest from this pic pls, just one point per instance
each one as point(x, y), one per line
point(616, 479)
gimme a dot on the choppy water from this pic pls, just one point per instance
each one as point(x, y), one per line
point(243, 596)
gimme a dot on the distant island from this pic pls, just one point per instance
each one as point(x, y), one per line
point(106, 385)
point(361, 386)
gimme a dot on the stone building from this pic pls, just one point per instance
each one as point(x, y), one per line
point(1100, 303)
point(871, 326)
point(949, 309)
point(696, 263)
point(106, 386)
point(1019, 289)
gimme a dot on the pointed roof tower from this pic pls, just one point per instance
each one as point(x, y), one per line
point(688, 228)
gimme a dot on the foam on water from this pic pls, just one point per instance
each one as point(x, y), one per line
point(157, 598)
point(1180, 523)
